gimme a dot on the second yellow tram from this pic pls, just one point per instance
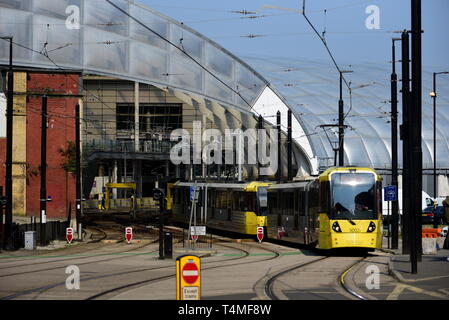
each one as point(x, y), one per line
point(342, 208)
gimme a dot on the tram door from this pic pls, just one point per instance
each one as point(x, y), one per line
point(301, 215)
point(313, 208)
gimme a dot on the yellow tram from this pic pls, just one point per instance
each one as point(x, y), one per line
point(339, 209)
point(235, 207)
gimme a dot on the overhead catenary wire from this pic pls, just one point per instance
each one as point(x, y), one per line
point(82, 85)
point(323, 40)
point(184, 52)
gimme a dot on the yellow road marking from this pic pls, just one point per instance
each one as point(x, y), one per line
point(396, 292)
point(430, 278)
point(400, 287)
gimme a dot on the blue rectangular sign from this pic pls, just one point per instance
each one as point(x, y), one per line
point(390, 193)
point(192, 192)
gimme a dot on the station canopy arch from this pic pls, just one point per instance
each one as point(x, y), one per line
point(127, 40)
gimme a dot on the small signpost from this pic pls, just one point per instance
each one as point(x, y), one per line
point(193, 232)
point(69, 235)
point(390, 194)
point(196, 231)
point(129, 234)
point(194, 193)
point(260, 234)
point(188, 278)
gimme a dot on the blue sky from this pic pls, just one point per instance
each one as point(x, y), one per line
point(285, 33)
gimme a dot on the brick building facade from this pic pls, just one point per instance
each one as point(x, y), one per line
point(62, 90)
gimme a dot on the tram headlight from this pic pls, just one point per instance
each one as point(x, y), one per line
point(336, 227)
point(371, 227)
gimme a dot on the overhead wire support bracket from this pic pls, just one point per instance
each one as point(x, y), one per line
point(323, 40)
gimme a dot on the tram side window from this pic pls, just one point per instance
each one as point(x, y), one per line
point(272, 202)
point(175, 196)
point(314, 199)
point(211, 198)
point(324, 197)
point(302, 202)
point(296, 201)
point(186, 195)
point(379, 198)
point(178, 196)
point(289, 203)
point(285, 203)
point(248, 201)
point(235, 201)
point(219, 200)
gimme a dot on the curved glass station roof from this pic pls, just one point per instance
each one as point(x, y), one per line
point(311, 89)
point(127, 40)
point(124, 38)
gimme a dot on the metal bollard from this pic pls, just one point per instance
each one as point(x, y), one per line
point(80, 231)
point(168, 245)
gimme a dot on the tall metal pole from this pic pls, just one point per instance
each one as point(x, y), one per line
point(394, 147)
point(78, 163)
point(435, 222)
point(405, 136)
point(260, 127)
point(278, 127)
point(433, 94)
point(340, 127)
point(43, 197)
point(9, 143)
point(416, 163)
point(289, 146)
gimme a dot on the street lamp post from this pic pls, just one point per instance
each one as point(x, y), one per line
point(433, 94)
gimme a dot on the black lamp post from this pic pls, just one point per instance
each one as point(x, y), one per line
point(433, 94)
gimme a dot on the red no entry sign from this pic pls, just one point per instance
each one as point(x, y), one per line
point(260, 234)
point(69, 234)
point(190, 272)
point(129, 234)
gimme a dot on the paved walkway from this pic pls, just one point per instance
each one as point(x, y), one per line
point(431, 281)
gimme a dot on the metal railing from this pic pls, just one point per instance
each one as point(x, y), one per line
point(128, 146)
point(54, 230)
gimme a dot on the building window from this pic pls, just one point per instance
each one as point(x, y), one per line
point(152, 116)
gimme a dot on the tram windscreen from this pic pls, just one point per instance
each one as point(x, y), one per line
point(353, 196)
point(262, 197)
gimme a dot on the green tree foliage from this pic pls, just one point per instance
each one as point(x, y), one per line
point(69, 157)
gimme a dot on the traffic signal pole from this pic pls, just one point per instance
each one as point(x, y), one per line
point(78, 169)
point(289, 146)
point(416, 132)
point(43, 197)
point(394, 147)
point(405, 137)
point(259, 127)
point(278, 127)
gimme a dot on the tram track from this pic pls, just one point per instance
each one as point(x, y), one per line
point(73, 250)
point(268, 287)
point(77, 258)
point(103, 235)
point(138, 284)
point(43, 289)
point(340, 279)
